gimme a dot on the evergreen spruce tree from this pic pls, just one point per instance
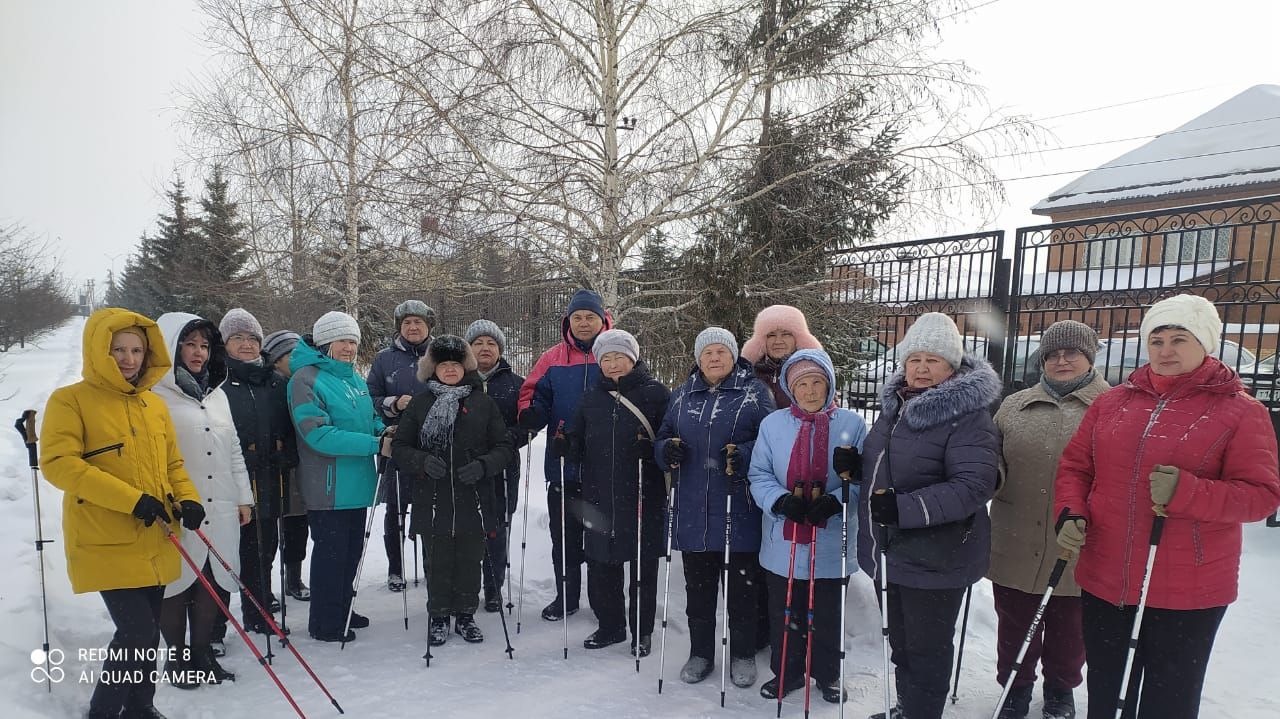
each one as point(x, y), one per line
point(222, 249)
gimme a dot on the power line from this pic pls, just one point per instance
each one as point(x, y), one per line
point(1131, 139)
point(1127, 103)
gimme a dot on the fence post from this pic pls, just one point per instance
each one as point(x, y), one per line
point(1000, 306)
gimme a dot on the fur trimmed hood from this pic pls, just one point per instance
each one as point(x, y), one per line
point(446, 348)
point(975, 385)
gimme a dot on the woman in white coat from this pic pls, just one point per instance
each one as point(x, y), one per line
point(210, 447)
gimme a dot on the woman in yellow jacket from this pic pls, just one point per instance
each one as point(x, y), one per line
point(108, 443)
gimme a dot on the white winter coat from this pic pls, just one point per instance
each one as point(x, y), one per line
point(211, 450)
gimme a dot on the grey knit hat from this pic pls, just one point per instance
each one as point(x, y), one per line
point(334, 326)
point(1068, 335)
point(616, 341)
point(415, 308)
point(715, 336)
point(486, 328)
point(278, 344)
point(239, 320)
point(935, 333)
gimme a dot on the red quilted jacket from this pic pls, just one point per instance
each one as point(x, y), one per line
point(1222, 441)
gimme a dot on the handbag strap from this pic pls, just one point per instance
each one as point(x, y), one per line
point(644, 421)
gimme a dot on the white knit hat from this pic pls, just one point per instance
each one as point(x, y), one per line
point(335, 326)
point(935, 333)
point(1192, 313)
point(715, 336)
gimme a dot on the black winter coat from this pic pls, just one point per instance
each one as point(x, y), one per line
point(503, 387)
point(448, 507)
point(259, 401)
point(603, 439)
point(394, 372)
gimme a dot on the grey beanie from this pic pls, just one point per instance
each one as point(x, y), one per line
point(715, 336)
point(278, 344)
point(486, 328)
point(238, 321)
point(334, 326)
point(1068, 335)
point(616, 341)
point(415, 308)
point(935, 333)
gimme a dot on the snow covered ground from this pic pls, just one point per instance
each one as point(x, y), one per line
point(382, 673)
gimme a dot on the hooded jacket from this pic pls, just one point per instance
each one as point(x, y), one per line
point(940, 453)
point(394, 373)
point(770, 462)
point(706, 419)
point(337, 429)
point(259, 401)
point(208, 439)
point(104, 443)
point(1222, 442)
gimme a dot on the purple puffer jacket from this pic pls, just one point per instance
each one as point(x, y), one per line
point(939, 452)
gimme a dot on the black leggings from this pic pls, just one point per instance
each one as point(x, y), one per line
point(196, 603)
point(136, 614)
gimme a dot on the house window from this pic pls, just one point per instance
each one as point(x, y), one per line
point(1109, 251)
point(1197, 245)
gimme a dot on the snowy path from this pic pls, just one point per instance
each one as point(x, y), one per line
point(382, 673)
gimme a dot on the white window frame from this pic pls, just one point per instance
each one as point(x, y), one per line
point(1207, 245)
point(1111, 249)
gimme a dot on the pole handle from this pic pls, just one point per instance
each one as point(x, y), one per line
point(26, 426)
point(1157, 526)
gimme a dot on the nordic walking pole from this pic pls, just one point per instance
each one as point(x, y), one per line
point(1054, 577)
point(728, 534)
point(964, 630)
point(1157, 527)
point(786, 609)
point(884, 610)
point(808, 640)
point(845, 480)
point(266, 615)
point(635, 633)
point(284, 580)
point(666, 590)
point(264, 579)
point(26, 426)
point(173, 539)
point(564, 560)
point(524, 528)
point(400, 512)
point(493, 572)
point(364, 547)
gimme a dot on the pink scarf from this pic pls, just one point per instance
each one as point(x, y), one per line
point(809, 463)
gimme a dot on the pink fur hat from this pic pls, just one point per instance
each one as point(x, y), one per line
point(778, 317)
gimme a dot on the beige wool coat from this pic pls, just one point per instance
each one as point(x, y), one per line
point(1035, 428)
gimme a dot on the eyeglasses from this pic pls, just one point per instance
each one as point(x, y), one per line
point(1063, 356)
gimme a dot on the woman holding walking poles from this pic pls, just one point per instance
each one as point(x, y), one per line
point(1035, 425)
point(1181, 446)
point(795, 472)
point(929, 468)
point(109, 444)
point(706, 439)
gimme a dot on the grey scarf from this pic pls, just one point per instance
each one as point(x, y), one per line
point(1058, 390)
point(195, 386)
point(438, 426)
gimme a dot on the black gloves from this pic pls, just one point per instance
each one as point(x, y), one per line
point(560, 445)
point(674, 452)
point(847, 461)
point(192, 514)
point(435, 468)
point(822, 509)
point(149, 509)
point(791, 507)
point(643, 447)
point(531, 420)
point(471, 472)
point(884, 508)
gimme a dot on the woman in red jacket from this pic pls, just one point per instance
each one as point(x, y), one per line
point(1180, 434)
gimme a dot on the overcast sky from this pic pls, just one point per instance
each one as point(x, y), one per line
point(88, 141)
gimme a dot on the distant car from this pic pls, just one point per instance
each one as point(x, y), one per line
point(1261, 377)
point(1119, 357)
point(864, 388)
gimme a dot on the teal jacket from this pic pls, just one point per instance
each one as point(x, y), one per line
point(337, 432)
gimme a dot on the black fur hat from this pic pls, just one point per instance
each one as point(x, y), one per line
point(446, 348)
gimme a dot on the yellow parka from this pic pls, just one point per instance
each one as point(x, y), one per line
point(104, 443)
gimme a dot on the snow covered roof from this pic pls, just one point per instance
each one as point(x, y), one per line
point(1235, 144)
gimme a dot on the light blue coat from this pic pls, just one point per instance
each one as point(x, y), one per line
point(768, 477)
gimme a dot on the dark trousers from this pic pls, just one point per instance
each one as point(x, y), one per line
point(826, 627)
point(922, 628)
point(194, 608)
point(255, 565)
point(339, 539)
point(395, 523)
point(604, 590)
point(495, 563)
point(1169, 664)
point(293, 539)
point(292, 544)
point(1058, 643)
point(453, 584)
point(702, 574)
point(574, 549)
point(127, 682)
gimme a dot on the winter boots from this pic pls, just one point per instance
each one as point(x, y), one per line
point(293, 582)
point(464, 625)
point(833, 692)
point(769, 690)
point(492, 600)
point(335, 637)
point(396, 583)
point(742, 671)
point(601, 638)
point(219, 648)
point(695, 670)
point(646, 646)
point(1017, 703)
point(202, 660)
point(147, 712)
point(177, 670)
point(359, 621)
point(552, 612)
point(894, 713)
point(438, 634)
point(1059, 704)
